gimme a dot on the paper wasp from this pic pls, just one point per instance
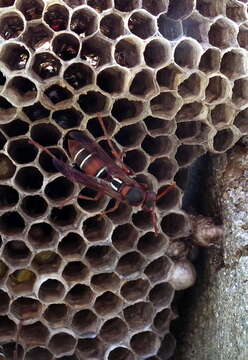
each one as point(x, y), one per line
point(98, 171)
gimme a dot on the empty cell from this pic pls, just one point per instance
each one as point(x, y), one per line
point(163, 319)
point(93, 102)
point(142, 219)
point(210, 61)
point(57, 94)
point(233, 64)
point(21, 281)
point(108, 304)
point(157, 126)
point(141, 24)
point(169, 77)
point(96, 52)
point(113, 331)
point(36, 112)
point(236, 11)
point(105, 281)
point(36, 35)
point(7, 168)
point(59, 189)
point(130, 264)
point(155, 6)
point(112, 80)
point(178, 10)
point(72, 245)
point(121, 353)
point(42, 235)
point(26, 308)
point(56, 314)
point(34, 334)
point(95, 128)
point(157, 53)
point(130, 135)
point(243, 36)
point(15, 128)
point(145, 343)
point(163, 169)
point(168, 346)
point(78, 75)
point(150, 244)
point(166, 104)
point(85, 322)
point(14, 56)
point(170, 200)
point(157, 146)
point(11, 25)
point(222, 114)
point(161, 295)
point(63, 216)
point(127, 52)
point(21, 151)
point(84, 22)
point(192, 131)
point(169, 28)
point(61, 343)
point(135, 289)
point(68, 118)
point(99, 5)
point(8, 197)
point(174, 224)
point(75, 271)
point(142, 84)
point(124, 109)
point(240, 92)
point(159, 269)
point(223, 140)
point(89, 348)
point(124, 237)
point(96, 228)
point(45, 66)
point(191, 88)
point(241, 120)
point(45, 134)
point(127, 5)
point(135, 160)
point(11, 223)
point(101, 257)
point(65, 46)
point(217, 89)
point(46, 262)
point(3, 271)
point(46, 161)
point(38, 353)
point(16, 253)
point(91, 205)
point(79, 296)
point(187, 54)
point(187, 153)
point(112, 26)
point(51, 290)
point(7, 110)
point(183, 275)
point(57, 16)
point(222, 34)
point(121, 214)
point(190, 112)
point(7, 328)
point(196, 27)
point(32, 10)
point(4, 302)
point(139, 315)
point(21, 90)
point(29, 179)
point(210, 8)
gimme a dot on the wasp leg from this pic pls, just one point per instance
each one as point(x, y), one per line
point(168, 189)
point(97, 197)
point(115, 207)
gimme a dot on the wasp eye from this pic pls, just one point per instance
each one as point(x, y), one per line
point(135, 196)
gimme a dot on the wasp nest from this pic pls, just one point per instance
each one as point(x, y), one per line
point(169, 79)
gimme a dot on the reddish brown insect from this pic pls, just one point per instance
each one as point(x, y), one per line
point(99, 172)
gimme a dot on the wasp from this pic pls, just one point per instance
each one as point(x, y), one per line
point(95, 169)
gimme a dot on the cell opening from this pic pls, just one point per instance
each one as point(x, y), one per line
point(139, 315)
point(7, 328)
point(2, 79)
point(223, 140)
point(96, 229)
point(7, 168)
point(155, 7)
point(210, 9)
point(78, 75)
point(16, 253)
point(124, 237)
point(108, 304)
point(8, 197)
point(135, 289)
point(29, 178)
point(15, 128)
point(187, 153)
point(93, 102)
point(142, 220)
point(75, 271)
point(11, 223)
point(216, 90)
point(145, 343)
point(243, 36)
point(127, 53)
point(157, 53)
point(130, 264)
point(121, 353)
point(157, 146)
point(135, 160)
point(161, 295)
point(46, 161)
point(90, 205)
point(174, 224)
point(57, 94)
point(7, 110)
point(142, 84)
point(141, 24)
point(36, 112)
point(61, 343)
point(95, 128)
point(127, 5)
point(57, 16)
point(159, 269)
point(177, 10)
point(170, 200)
point(222, 114)
point(21, 281)
point(191, 88)
point(65, 46)
point(163, 169)
point(222, 34)
point(105, 281)
point(46, 262)
point(233, 64)
point(192, 131)
point(111, 80)
point(169, 28)
point(25, 308)
point(68, 118)
point(34, 334)
point(6, 3)
point(37, 35)
point(14, 56)
point(21, 151)
point(165, 104)
point(38, 353)
point(84, 22)
point(51, 290)
point(45, 66)
point(56, 314)
point(31, 10)
point(34, 206)
point(130, 135)
point(190, 112)
point(42, 235)
point(187, 54)
point(88, 348)
point(96, 52)
point(157, 126)
point(72, 245)
point(59, 189)
point(168, 346)
point(163, 319)
point(79, 296)
point(101, 257)
point(11, 25)
point(64, 216)
point(112, 26)
point(210, 61)
point(3, 271)
point(21, 90)
point(241, 121)
point(124, 109)
point(240, 92)
point(113, 331)
point(150, 244)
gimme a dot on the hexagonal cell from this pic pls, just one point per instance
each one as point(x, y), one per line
point(45, 134)
point(241, 121)
point(11, 25)
point(38, 353)
point(63, 216)
point(163, 169)
point(79, 296)
point(107, 304)
point(96, 51)
point(127, 52)
point(57, 16)
point(112, 80)
point(16, 253)
point(46, 262)
point(166, 104)
point(169, 77)
point(78, 75)
point(159, 269)
point(124, 109)
point(157, 53)
point(142, 85)
point(150, 244)
point(210, 8)
point(95, 128)
point(210, 61)
point(72, 245)
point(25, 308)
point(145, 343)
point(8, 197)
point(57, 94)
point(157, 126)
point(112, 26)
point(34, 334)
point(7, 168)
point(7, 328)
point(46, 162)
point(217, 89)
point(11, 223)
point(68, 118)
point(3, 271)
point(243, 36)
point(240, 95)
point(91, 206)
point(31, 10)
point(21, 90)
point(130, 135)
point(105, 281)
point(163, 319)
point(155, 7)
point(121, 353)
point(187, 54)
point(124, 237)
point(135, 289)
point(233, 64)
point(75, 271)
point(42, 235)
point(37, 35)
point(161, 295)
point(127, 5)
point(196, 27)
point(65, 46)
point(192, 111)
point(157, 146)
point(21, 281)
point(130, 264)
point(142, 220)
point(222, 34)
point(139, 315)
point(101, 257)
point(113, 331)
point(4, 302)
point(93, 102)
point(7, 110)
point(170, 199)
point(141, 24)
point(15, 128)
point(59, 189)
point(96, 228)
point(177, 10)
point(29, 179)
point(61, 343)
point(36, 112)
point(187, 153)
point(222, 114)
point(14, 56)
point(168, 346)
point(21, 151)
point(51, 290)
point(84, 22)
point(192, 88)
point(89, 348)
point(174, 224)
point(169, 28)
point(135, 160)
point(223, 140)
point(34, 206)
point(236, 11)
point(99, 5)
point(85, 322)
point(56, 315)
